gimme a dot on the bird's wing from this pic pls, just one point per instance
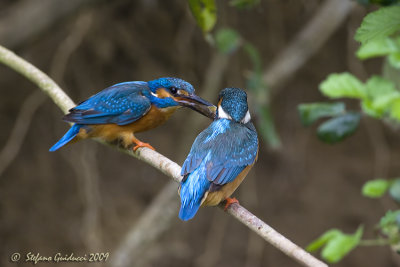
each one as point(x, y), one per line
point(226, 147)
point(121, 104)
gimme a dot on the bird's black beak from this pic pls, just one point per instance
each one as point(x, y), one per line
point(198, 104)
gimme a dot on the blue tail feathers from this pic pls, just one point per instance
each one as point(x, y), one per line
point(72, 132)
point(192, 192)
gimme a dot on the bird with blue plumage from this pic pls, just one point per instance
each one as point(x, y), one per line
point(121, 110)
point(220, 157)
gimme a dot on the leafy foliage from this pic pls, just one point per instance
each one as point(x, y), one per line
point(267, 126)
point(227, 40)
point(381, 94)
point(394, 59)
point(260, 90)
point(394, 190)
point(379, 24)
point(323, 239)
point(379, 98)
point(389, 224)
point(337, 244)
point(378, 47)
point(205, 13)
point(375, 188)
point(378, 187)
point(338, 128)
point(390, 227)
point(342, 85)
point(309, 113)
point(388, 46)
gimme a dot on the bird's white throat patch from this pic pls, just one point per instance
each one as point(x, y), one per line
point(246, 118)
point(222, 114)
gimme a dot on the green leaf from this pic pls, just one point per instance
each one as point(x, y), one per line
point(244, 3)
point(341, 245)
point(381, 94)
point(309, 113)
point(343, 85)
point(394, 190)
point(394, 111)
point(377, 86)
point(391, 73)
point(336, 129)
point(388, 223)
point(394, 60)
point(368, 108)
point(205, 13)
point(255, 81)
point(379, 24)
point(377, 47)
point(227, 40)
point(266, 126)
point(389, 218)
point(375, 188)
point(254, 56)
point(383, 103)
point(323, 239)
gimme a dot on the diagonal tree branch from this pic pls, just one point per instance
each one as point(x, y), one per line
point(134, 242)
point(29, 19)
point(20, 129)
point(162, 163)
point(307, 42)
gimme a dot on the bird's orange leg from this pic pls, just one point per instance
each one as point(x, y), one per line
point(140, 144)
point(230, 201)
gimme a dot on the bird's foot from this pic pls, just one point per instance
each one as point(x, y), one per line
point(229, 201)
point(142, 144)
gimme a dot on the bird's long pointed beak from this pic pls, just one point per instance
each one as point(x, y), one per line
point(198, 104)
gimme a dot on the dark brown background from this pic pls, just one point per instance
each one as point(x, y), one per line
point(85, 197)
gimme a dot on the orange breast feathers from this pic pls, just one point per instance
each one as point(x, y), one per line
point(216, 197)
point(111, 132)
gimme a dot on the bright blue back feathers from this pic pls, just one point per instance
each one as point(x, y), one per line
point(121, 104)
point(192, 193)
point(72, 132)
point(124, 103)
point(218, 155)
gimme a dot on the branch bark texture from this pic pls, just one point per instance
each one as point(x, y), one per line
point(161, 163)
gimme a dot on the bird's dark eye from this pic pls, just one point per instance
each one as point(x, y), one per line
point(173, 90)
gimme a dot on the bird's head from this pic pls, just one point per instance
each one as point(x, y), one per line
point(232, 105)
point(177, 92)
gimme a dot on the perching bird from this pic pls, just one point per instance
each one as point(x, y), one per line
point(121, 110)
point(220, 157)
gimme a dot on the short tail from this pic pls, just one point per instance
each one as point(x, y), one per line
point(68, 136)
point(192, 192)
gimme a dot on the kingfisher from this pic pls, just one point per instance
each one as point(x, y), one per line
point(220, 157)
point(123, 109)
